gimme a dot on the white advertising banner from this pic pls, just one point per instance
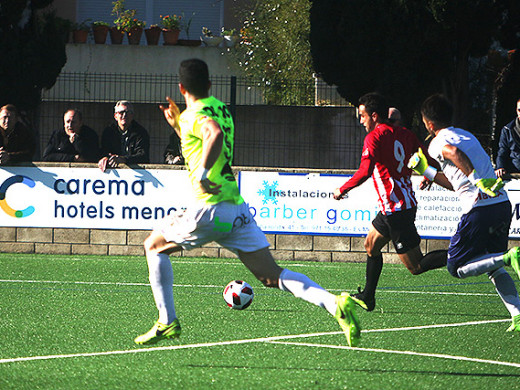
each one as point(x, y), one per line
point(303, 203)
point(280, 202)
point(89, 198)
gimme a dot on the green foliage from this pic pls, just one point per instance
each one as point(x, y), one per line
point(125, 18)
point(230, 32)
point(100, 23)
point(171, 22)
point(33, 53)
point(84, 25)
point(275, 49)
point(186, 23)
point(206, 32)
point(406, 49)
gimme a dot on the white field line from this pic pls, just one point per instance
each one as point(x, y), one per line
point(390, 351)
point(277, 339)
point(434, 326)
point(214, 286)
point(102, 283)
point(436, 293)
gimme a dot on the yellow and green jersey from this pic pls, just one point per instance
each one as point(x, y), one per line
point(191, 121)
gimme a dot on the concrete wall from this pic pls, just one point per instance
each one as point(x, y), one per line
point(143, 59)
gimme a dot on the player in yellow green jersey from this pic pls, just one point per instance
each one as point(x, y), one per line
point(220, 214)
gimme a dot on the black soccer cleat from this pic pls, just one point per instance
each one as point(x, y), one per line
point(367, 303)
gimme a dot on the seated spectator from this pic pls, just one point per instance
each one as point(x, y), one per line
point(508, 156)
point(394, 116)
point(172, 153)
point(124, 141)
point(17, 143)
point(74, 142)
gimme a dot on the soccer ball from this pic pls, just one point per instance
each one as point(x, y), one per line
point(238, 294)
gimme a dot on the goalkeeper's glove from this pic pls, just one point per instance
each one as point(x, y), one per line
point(488, 186)
point(419, 164)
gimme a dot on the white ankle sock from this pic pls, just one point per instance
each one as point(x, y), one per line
point(481, 265)
point(303, 287)
point(506, 289)
point(161, 279)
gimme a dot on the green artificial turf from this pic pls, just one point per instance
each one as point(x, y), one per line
point(68, 322)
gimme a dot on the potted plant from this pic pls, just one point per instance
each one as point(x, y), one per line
point(209, 39)
point(185, 26)
point(133, 27)
point(100, 31)
point(152, 34)
point(80, 31)
point(171, 25)
point(230, 37)
point(117, 31)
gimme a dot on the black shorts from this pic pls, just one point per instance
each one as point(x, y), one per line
point(400, 228)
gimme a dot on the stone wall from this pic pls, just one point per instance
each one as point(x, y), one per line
point(104, 242)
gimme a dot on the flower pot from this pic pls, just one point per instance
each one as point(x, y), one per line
point(170, 36)
point(134, 35)
point(189, 42)
point(100, 34)
point(152, 35)
point(79, 36)
point(230, 40)
point(116, 36)
point(212, 41)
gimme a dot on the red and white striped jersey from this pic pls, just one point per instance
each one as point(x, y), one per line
point(386, 151)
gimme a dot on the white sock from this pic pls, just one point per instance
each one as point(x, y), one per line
point(303, 287)
point(161, 279)
point(506, 290)
point(481, 265)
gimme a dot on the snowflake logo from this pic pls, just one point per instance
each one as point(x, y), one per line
point(269, 192)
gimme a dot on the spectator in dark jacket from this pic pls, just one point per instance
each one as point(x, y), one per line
point(17, 143)
point(124, 141)
point(172, 153)
point(74, 142)
point(508, 156)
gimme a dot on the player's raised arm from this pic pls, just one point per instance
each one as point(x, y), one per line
point(171, 114)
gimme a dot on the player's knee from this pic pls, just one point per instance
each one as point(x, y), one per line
point(415, 270)
point(149, 244)
point(371, 252)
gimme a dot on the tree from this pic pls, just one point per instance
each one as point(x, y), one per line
point(405, 49)
point(275, 49)
point(33, 51)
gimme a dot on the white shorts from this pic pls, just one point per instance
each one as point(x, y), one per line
point(230, 225)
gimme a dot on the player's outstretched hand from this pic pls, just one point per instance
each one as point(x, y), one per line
point(209, 187)
point(418, 162)
point(339, 195)
point(425, 184)
point(171, 113)
point(102, 164)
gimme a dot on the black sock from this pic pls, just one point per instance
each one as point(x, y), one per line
point(433, 260)
point(373, 271)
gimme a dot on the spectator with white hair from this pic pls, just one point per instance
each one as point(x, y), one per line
point(125, 141)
